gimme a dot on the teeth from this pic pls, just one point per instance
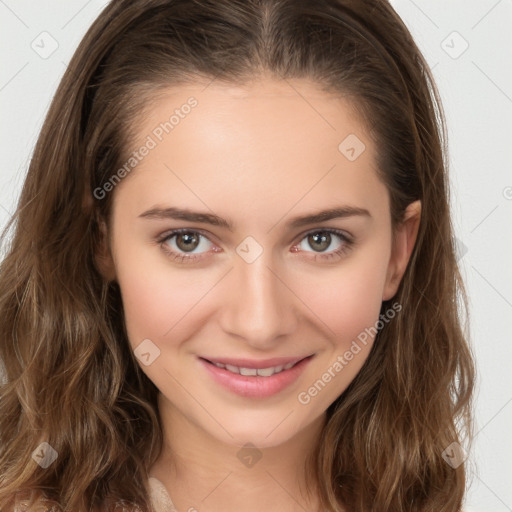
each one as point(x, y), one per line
point(233, 369)
point(252, 372)
point(266, 372)
point(248, 371)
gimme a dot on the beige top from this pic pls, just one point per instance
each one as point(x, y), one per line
point(160, 498)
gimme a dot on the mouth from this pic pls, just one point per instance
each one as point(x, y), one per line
point(248, 368)
point(255, 378)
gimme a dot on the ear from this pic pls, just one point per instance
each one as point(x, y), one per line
point(403, 244)
point(103, 256)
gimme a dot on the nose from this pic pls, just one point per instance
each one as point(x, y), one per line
point(259, 306)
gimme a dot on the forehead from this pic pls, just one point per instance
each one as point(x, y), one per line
point(260, 110)
point(267, 141)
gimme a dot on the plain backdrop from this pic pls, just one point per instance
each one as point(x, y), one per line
point(468, 44)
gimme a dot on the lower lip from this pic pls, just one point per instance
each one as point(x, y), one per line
point(257, 386)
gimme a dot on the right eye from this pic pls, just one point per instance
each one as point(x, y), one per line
point(186, 240)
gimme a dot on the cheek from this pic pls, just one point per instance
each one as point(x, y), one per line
point(346, 300)
point(158, 301)
point(347, 305)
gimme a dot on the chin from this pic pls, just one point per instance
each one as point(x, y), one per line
point(260, 429)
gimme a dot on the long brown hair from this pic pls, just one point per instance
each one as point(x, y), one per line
point(71, 379)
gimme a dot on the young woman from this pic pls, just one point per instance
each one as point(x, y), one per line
point(231, 283)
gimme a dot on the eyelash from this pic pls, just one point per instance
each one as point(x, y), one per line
point(348, 243)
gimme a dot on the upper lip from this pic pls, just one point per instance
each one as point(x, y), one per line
point(254, 363)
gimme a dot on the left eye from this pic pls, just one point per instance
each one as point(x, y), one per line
point(322, 239)
point(180, 243)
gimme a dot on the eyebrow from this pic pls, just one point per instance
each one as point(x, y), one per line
point(215, 220)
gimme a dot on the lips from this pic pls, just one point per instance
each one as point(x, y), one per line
point(255, 378)
point(256, 364)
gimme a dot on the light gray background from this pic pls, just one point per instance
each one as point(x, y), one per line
point(476, 88)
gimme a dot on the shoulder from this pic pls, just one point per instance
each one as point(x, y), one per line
point(31, 501)
point(159, 496)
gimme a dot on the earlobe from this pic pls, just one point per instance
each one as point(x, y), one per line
point(403, 245)
point(103, 256)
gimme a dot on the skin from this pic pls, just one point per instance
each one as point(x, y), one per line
point(257, 155)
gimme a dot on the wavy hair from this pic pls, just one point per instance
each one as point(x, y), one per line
point(70, 378)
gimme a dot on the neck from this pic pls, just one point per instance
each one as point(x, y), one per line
point(202, 473)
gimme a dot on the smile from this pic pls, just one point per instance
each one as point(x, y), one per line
point(261, 372)
point(256, 379)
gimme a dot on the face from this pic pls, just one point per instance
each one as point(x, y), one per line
point(219, 259)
